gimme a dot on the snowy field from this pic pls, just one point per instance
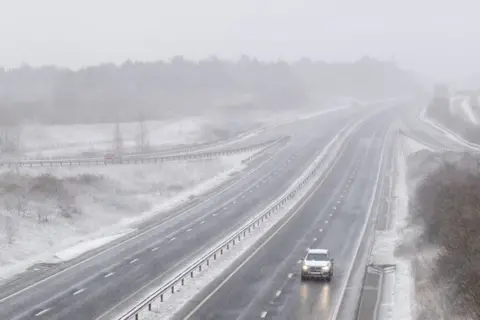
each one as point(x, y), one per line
point(51, 214)
point(64, 140)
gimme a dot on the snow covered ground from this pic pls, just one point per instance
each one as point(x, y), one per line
point(415, 295)
point(385, 250)
point(460, 106)
point(174, 302)
point(51, 214)
point(64, 140)
point(467, 110)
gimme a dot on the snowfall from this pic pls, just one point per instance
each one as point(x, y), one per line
point(412, 294)
point(55, 214)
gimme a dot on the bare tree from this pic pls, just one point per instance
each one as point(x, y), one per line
point(10, 229)
point(118, 141)
point(45, 210)
point(10, 138)
point(448, 203)
point(142, 134)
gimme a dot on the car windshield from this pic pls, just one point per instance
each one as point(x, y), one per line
point(317, 256)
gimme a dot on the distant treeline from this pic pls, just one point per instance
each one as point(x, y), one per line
point(157, 89)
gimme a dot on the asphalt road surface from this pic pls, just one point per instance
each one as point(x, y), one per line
point(98, 284)
point(265, 282)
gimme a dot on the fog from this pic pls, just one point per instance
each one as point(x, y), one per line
point(436, 38)
point(112, 57)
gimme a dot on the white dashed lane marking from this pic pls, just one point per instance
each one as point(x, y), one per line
point(38, 314)
point(78, 291)
point(109, 274)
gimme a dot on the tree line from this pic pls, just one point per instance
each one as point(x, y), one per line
point(111, 92)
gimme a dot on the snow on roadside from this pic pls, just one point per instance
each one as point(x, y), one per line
point(445, 131)
point(467, 110)
point(85, 246)
point(106, 201)
point(385, 250)
point(174, 302)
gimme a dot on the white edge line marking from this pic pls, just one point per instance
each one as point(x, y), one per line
point(172, 239)
point(188, 230)
point(279, 292)
point(146, 231)
point(134, 260)
point(303, 202)
point(290, 275)
point(155, 249)
point(364, 229)
point(109, 274)
point(319, 184)
point(42, 312)
point(263, 315)
point(78, 291)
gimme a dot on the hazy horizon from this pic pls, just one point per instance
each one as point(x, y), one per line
point(434, 39)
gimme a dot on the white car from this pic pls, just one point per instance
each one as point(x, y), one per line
point(317, 264)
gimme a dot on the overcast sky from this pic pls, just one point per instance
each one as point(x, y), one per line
point(440, 38)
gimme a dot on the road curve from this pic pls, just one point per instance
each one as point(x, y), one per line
point(265, 283)
point(98, 283)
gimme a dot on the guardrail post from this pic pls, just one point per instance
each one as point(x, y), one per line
point(149, 307)
point(183, 281)
point(191, 274)
point(200, 268)
point(173, 289)
point(214, 256)
point(221, 251)
point(136, 316)
point(161, 297)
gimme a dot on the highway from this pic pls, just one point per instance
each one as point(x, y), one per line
point(417, 129)
point(100, 283)
point(336, 215)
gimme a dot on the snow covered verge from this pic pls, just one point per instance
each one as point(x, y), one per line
point(460, 106)
point(386, 241)
point(172, 303)
point(433, 235)
point(55, 214)
point(456, 124)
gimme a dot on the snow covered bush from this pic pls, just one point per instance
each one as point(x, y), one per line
point(447, 206)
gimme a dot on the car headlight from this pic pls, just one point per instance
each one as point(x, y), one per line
point(326, 268)
point(305, 267)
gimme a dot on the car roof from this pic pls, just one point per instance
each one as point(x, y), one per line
point(317, 251)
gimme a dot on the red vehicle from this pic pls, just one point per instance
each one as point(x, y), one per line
point(109, 157)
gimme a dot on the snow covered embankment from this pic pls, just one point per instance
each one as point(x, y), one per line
point(53, 214)
point(388, 244)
